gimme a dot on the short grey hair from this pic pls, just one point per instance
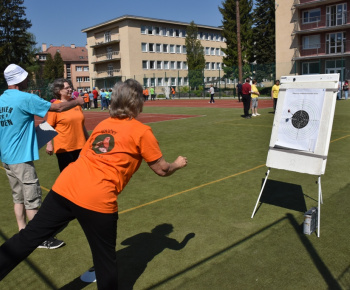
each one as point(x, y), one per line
point(126, 99)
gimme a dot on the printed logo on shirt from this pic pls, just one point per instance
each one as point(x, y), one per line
point(4, 116)
point(103, 143)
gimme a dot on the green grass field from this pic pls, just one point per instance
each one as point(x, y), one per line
point(213, 198)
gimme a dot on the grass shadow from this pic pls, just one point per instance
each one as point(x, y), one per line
point(283, 194)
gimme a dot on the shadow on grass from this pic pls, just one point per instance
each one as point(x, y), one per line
point(140, 250)
point(282, 194)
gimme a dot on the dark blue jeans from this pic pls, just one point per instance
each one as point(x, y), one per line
point(55, 213)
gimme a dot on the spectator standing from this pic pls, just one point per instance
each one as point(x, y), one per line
point(151, 91)
point(69, 125)
point(91, 97)
point(246, 89)
point(239, 91)
point(86, 101)
point(19, 146)
point(95, 93)
point(254, 94)
point(88, 189)
point(274, 94)
point(212, 92)
point(103, 100)
point(346, 89)
point(173, 92)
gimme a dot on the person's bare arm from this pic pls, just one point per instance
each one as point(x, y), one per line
point(64, 106)
point(163, 168)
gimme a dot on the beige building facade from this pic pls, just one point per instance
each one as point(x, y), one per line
point(311, 37)
point(149, 50)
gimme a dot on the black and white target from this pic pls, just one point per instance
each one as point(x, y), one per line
point(300, 119)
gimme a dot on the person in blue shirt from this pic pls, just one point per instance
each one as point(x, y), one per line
point(19, 146)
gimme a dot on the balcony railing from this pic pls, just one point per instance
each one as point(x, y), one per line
point(322, 21)
point(323, 50)
point(108, 56)
point(103, 41)
point(108, 73)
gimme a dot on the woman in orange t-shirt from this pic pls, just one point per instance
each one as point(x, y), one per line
point(69, 125)
point(87, 190)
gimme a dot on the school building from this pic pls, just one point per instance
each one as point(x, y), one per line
point(149, 50)
point(311, 37)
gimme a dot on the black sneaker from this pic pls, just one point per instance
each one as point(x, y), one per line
point(51, 243)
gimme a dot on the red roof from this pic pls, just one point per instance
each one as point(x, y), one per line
point(68, 53)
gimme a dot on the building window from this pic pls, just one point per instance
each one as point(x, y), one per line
point(218, 65)
point(183, 33)
point(156, 30)
point(311, 68)
point(144, 47)
point(178, 65)
point(79, 79)
point(166, 64)
point(179, 81)
point(152, 64)
point(86, 68)
point(212, 51)
point(186, 81)
point(217, 51)
point(336, 14)
point(107, 36)
point(110, 70)
point(170, 32)
point(177, 32)
point(159, 64)
point(78, 68)
point(184, 50)
point(159, 81)
point(207, 51)
point(151, 47)
point(149, 30)
point(86, 79)
point(184, 65)
point(42, 57)
point(158, 47)
point(172, 64)
point(213, 65)
point(311, 41)
point(313, 15)
point(145, 82)
point(172, 48)
point(145, 64)
point(165, 48)
point(335, 42)
point(173, 81)
point(178, 48)
point(143, 29)
point(207, 65)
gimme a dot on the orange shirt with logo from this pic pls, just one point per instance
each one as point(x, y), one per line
point(110, 157)
point(86, 98)
point(70, 128)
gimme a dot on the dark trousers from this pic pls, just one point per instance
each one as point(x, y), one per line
point(239, 96)
point(95, 103)
point(212, 98)
point(66, 158)
point(56, 212)
point(274, 104)
point(246, 104)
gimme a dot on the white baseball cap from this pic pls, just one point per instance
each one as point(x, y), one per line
point(14, 74)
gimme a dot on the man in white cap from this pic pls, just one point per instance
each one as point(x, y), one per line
point(18, 143)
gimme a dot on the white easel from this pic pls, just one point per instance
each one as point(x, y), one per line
point(313, 163)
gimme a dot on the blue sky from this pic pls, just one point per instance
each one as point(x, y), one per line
point(61, 22)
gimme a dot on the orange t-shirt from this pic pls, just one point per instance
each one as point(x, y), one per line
point(110, 157)
point(70, 128)
point(86, 98)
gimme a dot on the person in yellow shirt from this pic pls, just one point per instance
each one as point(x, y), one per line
point(255, 94)
point(274, 94)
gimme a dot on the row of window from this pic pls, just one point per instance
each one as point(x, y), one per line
point(181, 81)
point(335, 15)
point(176, 48)
point(173, 32)
point(81, 68)
point(335, 42)
point(178, 65)
point(83, 79)
point(331, 66)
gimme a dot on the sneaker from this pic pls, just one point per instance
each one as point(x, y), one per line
point(253, 115)
point(51, 243)
point(257, 114)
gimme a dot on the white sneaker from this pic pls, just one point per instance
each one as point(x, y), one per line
point(257, 114)
point(253, 115)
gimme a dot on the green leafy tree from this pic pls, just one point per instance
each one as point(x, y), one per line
point(58, 65)
point(16, 43)
point(264, 52)
point(49, 68)
point(195, 56)
point(229, 24)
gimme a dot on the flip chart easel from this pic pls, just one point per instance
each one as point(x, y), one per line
point(302, 127)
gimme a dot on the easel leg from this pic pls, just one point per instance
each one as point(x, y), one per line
point(257, 202)
point(320, 200)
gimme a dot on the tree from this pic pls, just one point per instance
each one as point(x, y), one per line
point(229, 23)
point(264, 53)
point(16, 43)
point(58, 65)
point(195, 56)
point(49, 68)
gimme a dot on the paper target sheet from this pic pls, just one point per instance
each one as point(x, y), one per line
point(300, 119)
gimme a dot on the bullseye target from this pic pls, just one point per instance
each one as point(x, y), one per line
point(301, 120)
